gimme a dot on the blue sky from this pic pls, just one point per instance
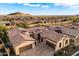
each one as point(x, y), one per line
point(40, 8)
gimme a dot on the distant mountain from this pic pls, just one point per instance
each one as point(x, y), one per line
point(19, 13)
point(77, 15)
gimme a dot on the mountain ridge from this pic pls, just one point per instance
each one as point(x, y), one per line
point(19, 13)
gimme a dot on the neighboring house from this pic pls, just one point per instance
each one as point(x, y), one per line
point(71, 32)
point(54, 39)
point(8, 24)
point(35, 33)
point(47, 37)
point(5, 23)
point(35, 21)
point(20, 40)
point(73, 26)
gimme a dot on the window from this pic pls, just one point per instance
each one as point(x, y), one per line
point(60, 45)
point(58, 31)
point(44, 21)
point(17, 24)
point(35, 42)
point(41, 39)
point(32, 35)
point(39, 36)
point(7, 24)
point(0, 42)
point(66, 42)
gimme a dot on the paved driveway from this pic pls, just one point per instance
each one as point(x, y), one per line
point(40, 50)
point(1, 54)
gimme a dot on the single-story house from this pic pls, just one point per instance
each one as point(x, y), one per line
point(72, 33)
point(53, 39)
point(35, 31)
point(5, 23)
point(20, 40)
point(73, 26)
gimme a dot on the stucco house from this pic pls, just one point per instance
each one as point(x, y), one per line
point(35, 32)
point(53, 39)
point(50, 38)
point(5, 23)
point(25, 39)
point(20, 40)
point(71, 32)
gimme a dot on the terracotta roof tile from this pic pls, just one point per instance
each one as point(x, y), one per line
point(52, 35)
point(16, 37)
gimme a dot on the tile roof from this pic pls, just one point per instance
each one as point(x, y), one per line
point(14, 31)
point(19, 38)
point(16, 37)
point(52, 35)
point(36, 29)
point(70, 32)
point(73, 26)
point(65, 30)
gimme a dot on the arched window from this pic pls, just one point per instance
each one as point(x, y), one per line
point(59, 44)
point(66, 41)
point(0, 42)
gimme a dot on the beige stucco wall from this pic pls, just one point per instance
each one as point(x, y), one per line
point(76, 40)
point(26, 43)
point(65, 42)
point(57, 46)
point(62, 41)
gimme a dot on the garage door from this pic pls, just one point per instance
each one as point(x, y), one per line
point(50, 44)
point(22, 49)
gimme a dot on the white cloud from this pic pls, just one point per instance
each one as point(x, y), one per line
point(35, 5)
point(45, 6)
point(70, 5)
point(31, 5)
point(39, 1)
point(64, 1)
